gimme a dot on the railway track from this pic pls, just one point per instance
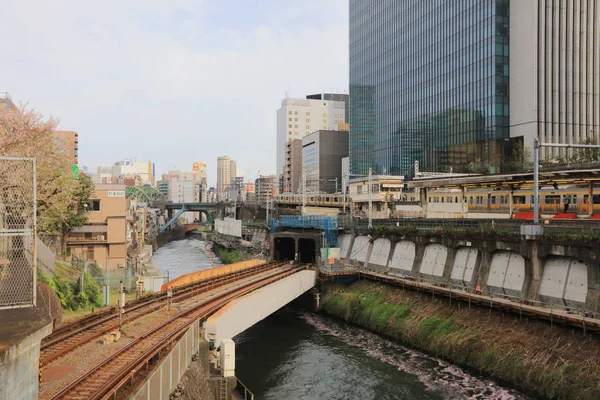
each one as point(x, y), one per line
point(103, 380)
point(68, 338)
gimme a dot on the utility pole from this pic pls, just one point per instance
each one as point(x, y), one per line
point(344, 191)
point(370, 198)
point(536, 188)
point(303, 193)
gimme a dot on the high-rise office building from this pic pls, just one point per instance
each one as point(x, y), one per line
point(300, 117)
point(224, 165)
point(232, 171)
point(458, 84)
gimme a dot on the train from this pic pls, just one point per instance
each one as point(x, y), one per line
point(498, 200)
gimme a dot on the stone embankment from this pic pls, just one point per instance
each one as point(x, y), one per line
point(554, 362)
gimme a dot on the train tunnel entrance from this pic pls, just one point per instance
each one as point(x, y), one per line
point(285, 249)
point(306, 250)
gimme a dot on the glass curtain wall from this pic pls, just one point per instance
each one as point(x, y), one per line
point(428, 82)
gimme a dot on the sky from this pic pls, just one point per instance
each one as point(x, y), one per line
point(172, 81)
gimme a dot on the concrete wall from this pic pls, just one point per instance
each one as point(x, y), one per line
point(403, 259)
point(566, 275)
point(229, 226)
point(166, 377)
point(380, 253)
point(360, 249)
point(345, 243)
point(244, 312)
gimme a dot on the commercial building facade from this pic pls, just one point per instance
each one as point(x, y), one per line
point(128, 168)
point(322, 154)
point(103, 239)
point(456, 85)
point(292, 169)
point(299, 117)
point(555, 72)
point(264, 188)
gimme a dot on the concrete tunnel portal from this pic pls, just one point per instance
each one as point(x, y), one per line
point(285, 249)
point(306, 251)
point(295, 246)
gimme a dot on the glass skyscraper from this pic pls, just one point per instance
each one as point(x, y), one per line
point(429, 82)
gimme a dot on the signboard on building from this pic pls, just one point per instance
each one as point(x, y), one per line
point(196, 166)
point(116, 193)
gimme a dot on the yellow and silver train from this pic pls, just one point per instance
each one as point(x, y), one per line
point(497, 200)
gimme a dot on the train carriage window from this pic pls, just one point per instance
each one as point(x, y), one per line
point(493, 199)
point(429, 199)
point(595, 199)
point(442, 199)
point(471, 200)
point(552, 199)
point(456, 198)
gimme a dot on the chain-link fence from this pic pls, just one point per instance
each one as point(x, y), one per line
point(17, 232)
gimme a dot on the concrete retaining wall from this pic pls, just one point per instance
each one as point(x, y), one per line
point(534, 270)
point(360, 249)
point(380, 253)
point(403, 259)
point(165, 378)
point(229, 226)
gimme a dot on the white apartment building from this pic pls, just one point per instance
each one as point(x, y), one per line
point(144, 169)
point(300, 117)
point(554, 72)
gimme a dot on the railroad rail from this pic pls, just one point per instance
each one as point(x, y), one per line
point(104, 380)
point(66, 339)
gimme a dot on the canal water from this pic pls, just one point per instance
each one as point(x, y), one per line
point(299, 355)
point(182, 257)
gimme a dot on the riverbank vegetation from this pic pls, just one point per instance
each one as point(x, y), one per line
point(230, 256)
point(554, 362)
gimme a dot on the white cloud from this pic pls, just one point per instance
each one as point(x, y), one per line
point(166, 81)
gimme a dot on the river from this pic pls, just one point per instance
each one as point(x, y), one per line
point(303, 356)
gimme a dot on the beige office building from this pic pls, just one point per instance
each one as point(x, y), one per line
point(103, 239)
point(226, 173)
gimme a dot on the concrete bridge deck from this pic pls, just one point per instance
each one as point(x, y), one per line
point(76, 364)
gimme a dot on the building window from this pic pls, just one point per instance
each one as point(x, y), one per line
point(324, 114)
point(296, 112)
point(295, 126)
point(290, 125)
point(307, 113)
point(95, 205)
point(307, 119)
point(296, 119)
point(90, 253)
point(289, 119)
point(307, 126)
point(289, 112)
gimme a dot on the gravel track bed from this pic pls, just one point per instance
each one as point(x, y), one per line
point(87, 356)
